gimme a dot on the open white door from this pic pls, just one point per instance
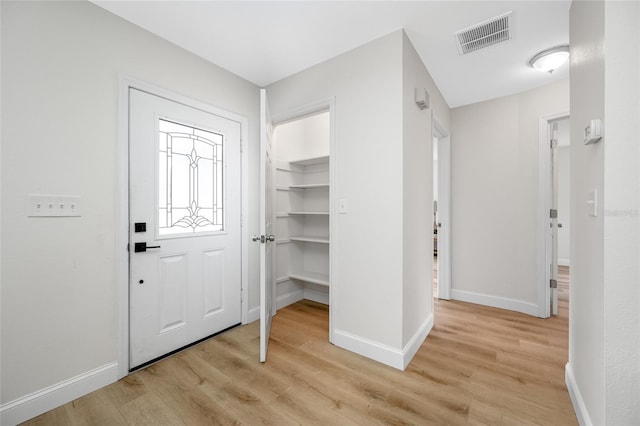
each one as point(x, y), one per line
point(553, 217)
point(266, 237)
point(444, 212)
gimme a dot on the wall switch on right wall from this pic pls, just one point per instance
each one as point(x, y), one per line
point(593, 203)
point(342, 206)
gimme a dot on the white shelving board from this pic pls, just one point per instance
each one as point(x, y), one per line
point(310, 161)
point(309, 213)
point(311, 186)
point(310, 239)
point(311, 277)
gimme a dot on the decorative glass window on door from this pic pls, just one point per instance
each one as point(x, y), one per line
point(190, 180)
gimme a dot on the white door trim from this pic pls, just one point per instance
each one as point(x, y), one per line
point(544, 204)
point(122, 205)
point(444, 239)
point(296, 114)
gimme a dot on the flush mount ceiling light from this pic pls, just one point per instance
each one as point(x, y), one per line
point(551, 59)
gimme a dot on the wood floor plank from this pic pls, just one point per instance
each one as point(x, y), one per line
point(478, 366)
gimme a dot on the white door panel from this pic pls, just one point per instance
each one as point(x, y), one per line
point(267, 218)
point(554, 220)
point(185, 184)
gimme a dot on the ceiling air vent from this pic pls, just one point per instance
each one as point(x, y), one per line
point(484, 34)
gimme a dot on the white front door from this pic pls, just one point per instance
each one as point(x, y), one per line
point(185, 237)
point(266, 237)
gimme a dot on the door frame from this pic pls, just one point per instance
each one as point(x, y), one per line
point(296, 114)
point(122, 204)
point(444, 244)
point(544, 204)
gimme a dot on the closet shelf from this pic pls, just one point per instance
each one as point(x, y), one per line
point(282, 214)
point(309, 213)
point(283, 188)
point(310, 161)
point(310, 238)
point(310, 186)
point(311, 277)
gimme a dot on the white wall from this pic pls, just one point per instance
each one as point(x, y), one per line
point(622, 213)
point(367, 86)
point(494, 179)
point(564, 192)
point(586, 314)
point(417, 220)
point(60, 68)
point(306, 138)
point(603, 373)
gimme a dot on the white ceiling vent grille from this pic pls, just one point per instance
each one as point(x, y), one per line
point(484, 34)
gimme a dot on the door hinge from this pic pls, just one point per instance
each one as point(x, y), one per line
point(241, 145)
point(241, 221)
point(553, 214)
point(553, 283)
point(128, 247)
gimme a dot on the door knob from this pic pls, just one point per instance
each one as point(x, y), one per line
point(263, 238)
point(559, 225)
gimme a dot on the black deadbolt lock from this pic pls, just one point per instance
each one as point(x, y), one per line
point(140, 227)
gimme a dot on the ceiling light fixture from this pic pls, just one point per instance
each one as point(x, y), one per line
point(551, 59)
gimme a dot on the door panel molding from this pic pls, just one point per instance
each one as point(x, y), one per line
point(122, 203)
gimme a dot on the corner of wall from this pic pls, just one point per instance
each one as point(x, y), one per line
point(576, 397)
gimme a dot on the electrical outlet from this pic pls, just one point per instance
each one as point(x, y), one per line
point(54, 205)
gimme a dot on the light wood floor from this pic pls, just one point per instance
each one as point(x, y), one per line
point(479, 365)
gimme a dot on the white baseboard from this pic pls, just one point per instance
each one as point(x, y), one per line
point(495, 301)
point(563, 262)
point(32, 405)
point(576, 398)
point(316, 296)
point(412, 347)
point(380, 352)
point(253, 314)
point(368, 348)
point(289, 298)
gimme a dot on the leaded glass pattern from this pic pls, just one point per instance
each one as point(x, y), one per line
point(190, 180)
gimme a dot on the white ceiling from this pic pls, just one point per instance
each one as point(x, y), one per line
point(265, 41)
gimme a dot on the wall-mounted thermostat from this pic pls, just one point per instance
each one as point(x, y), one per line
point(593, 132)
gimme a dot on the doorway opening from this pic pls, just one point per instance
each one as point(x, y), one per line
point(441, 212)
point(300, 191)
point(554, 190)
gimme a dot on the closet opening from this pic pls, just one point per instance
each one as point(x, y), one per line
point(303, 206)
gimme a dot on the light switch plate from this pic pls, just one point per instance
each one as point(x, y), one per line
point(342, 206)
point(593, 203)
point(40, 205)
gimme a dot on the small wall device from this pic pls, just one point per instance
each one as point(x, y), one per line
point(593, 132)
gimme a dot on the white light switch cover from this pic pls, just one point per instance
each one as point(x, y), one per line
point(342, 206)
point(593, 203)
